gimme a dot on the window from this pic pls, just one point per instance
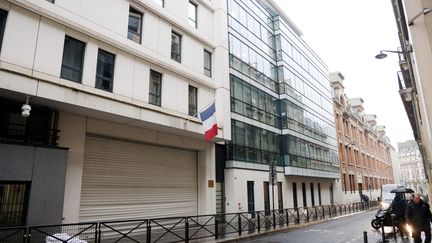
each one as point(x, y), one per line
point(192, 14)
point(312, 194)
point(207, 64)
point(304, 194)
point(175, 46)
point(14, 201)
point(3, 15)
point(294, 191)
point(280, 197)
point(73, 59)
point(51, 1)
point(160, 2)
point(251, 197)
point(266, 198)
point(193, 102)
point(155, 88)
point(135, 25)
point(105, 70)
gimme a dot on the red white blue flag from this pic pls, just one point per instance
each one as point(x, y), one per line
point(208, 118)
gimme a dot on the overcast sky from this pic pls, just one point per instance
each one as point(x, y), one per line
point(347, 35)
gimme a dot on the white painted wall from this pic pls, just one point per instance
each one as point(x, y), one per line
point(236, 189)
point(38, 51)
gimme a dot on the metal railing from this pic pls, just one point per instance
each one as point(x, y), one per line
point(179, 229)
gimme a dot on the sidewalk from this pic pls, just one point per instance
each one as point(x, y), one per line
point(237, 238)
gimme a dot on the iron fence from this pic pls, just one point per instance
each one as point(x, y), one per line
point(177, 229)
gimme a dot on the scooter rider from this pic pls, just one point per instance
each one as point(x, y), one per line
point(398, 207)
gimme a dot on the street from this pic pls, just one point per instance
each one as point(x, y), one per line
point(346, 229)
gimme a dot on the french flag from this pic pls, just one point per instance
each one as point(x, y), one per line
point(208, 118)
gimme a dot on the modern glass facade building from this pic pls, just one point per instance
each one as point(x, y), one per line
point(281, 110)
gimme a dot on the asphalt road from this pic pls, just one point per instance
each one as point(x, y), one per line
point(345, 229)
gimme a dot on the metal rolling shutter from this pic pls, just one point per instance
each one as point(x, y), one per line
point(126, 180)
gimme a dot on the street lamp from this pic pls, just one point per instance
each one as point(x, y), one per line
point(382, 55)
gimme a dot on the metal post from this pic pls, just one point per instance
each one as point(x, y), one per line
point(274, 220)
point(365, 239)
point(148, 231)
point(216, 227)
point(239, 223)
point(382, 233)
point(393, 224)
point(307, 214)
point(186, 230)
point(287, 217)
point(258, 221)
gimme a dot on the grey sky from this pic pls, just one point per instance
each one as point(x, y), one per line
point(347, 35)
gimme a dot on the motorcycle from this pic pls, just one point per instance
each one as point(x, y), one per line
point(382, 218)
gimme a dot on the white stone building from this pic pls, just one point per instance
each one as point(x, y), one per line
point(412, 173)
point(122, 81)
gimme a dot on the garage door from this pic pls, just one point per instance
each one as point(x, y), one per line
point(126, 180)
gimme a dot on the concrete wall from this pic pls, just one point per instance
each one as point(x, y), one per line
point(45, 169)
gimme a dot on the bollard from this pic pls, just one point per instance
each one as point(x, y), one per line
point(382, 233)
point(365, 239)
point(393, 224)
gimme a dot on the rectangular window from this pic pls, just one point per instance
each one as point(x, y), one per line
point(13, 203)
point(280, 197)
point(3, 16)
point(207, 64)
point(192, 14)
point(294, 191)
point(175, 47)
point(135, 25)
point(304, 194)
point(155, 88)
point(266, 198)
point(193, 102)
point(160, 2)
point(251, 196)
point(73, 59)
point(319, 194)
point(312, 194)
point(51, 1)
point(105, 70)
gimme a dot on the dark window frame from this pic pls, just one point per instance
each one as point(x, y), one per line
point(101, 79)
point(304, 194)
point(23, 203)
point(192, 108)
point(193, 22)
point(155, 98)
point(79, 69)
point(160, 3)
point(208, 70)
point(3, 19)
point(176, 56)
point(133, 12)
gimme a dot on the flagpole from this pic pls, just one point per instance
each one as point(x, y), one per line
point(205, 107)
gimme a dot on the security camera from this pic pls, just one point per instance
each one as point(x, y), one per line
point(25, 110)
